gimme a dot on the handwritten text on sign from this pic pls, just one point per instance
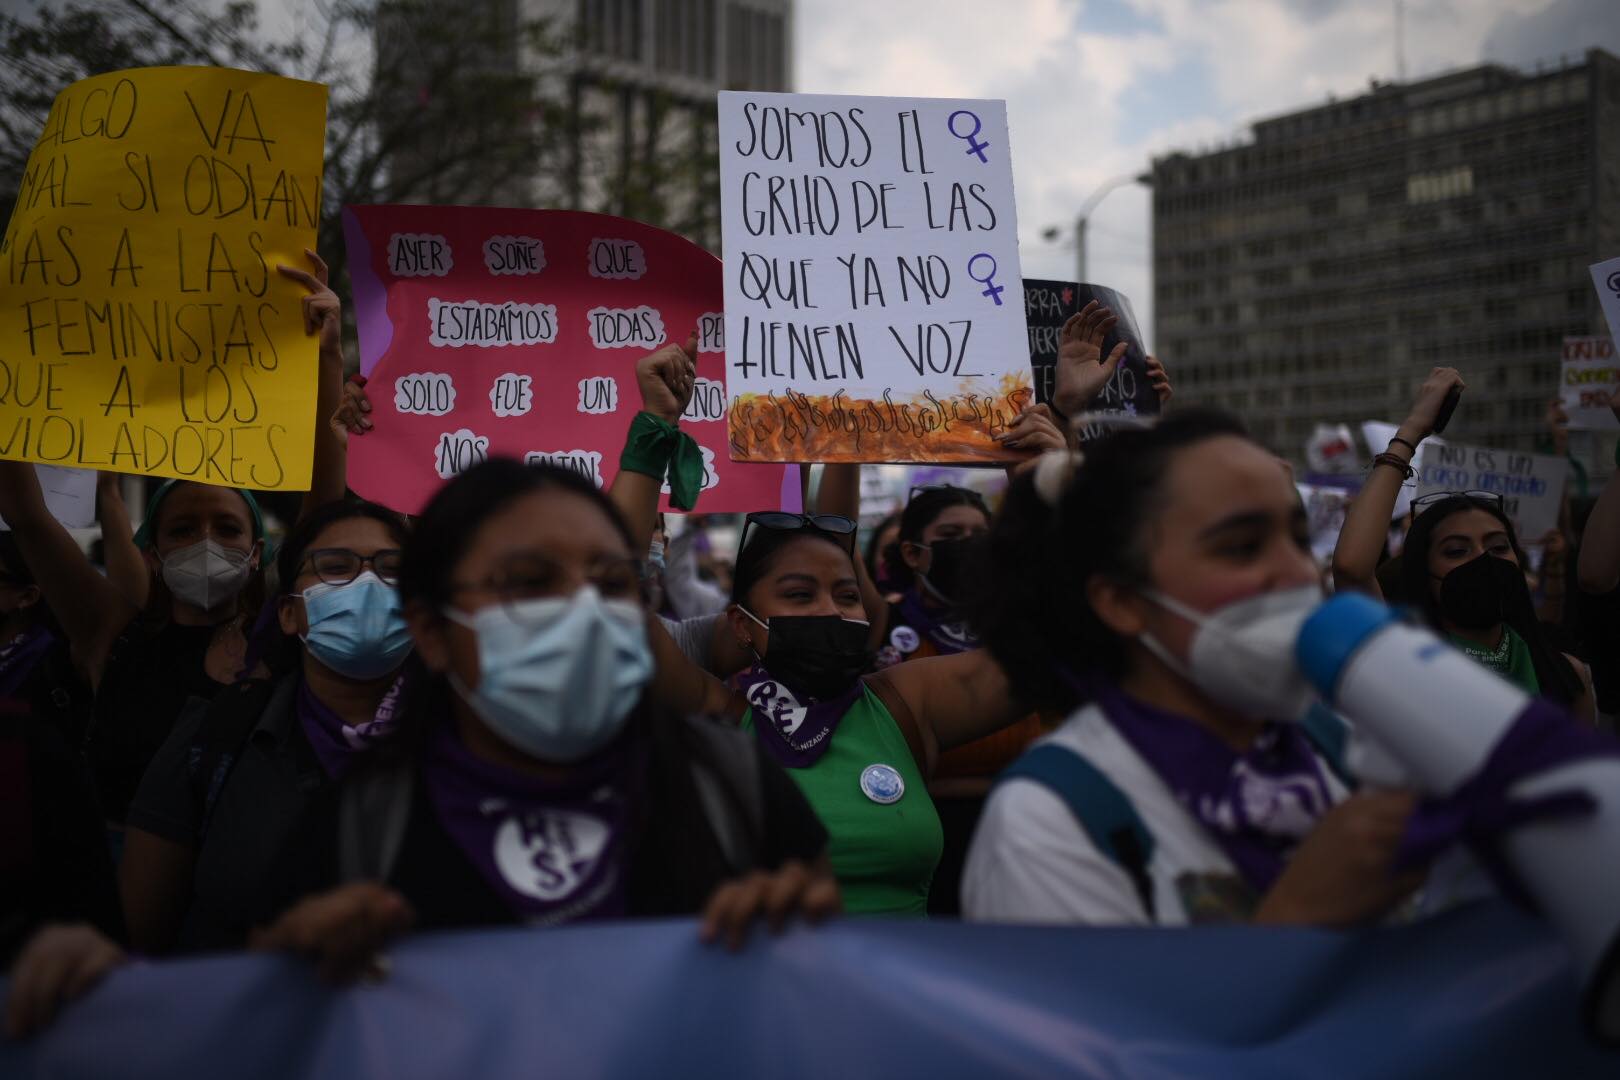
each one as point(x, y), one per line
point(1531, 485)
point(1588, 377)
point(143, 327)
point(872, 285)
point(516, 332)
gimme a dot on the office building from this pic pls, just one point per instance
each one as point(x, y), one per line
point(1316, 271)
point(637, 79)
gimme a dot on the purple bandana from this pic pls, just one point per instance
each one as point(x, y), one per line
point(335, 743)
point(948, 635)
point(1483, 809)
point(1257, 805)
point(553, 851)
point(796, 734)
point(18, 658)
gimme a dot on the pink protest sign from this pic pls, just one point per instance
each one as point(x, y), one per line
point(487, 331)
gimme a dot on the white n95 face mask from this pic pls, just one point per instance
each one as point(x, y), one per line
point(206, 574)
point(1242, 655)
point(557, 677)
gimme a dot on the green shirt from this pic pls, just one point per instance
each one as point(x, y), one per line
point(883, 854)
point(1510, 659)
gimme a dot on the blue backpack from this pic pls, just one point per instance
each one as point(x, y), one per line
point(1107, 816)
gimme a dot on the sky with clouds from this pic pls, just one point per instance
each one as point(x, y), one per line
point(1096, 88)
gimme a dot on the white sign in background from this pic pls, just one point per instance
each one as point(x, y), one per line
point(70, 495)
point(871, 246)
point(1531, 485)
point(1588, 374)
point(1606, 279)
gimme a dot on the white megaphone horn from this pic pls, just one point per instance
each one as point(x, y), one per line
point(1440, 715)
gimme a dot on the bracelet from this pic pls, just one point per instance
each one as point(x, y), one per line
point(1410, 446)
point(358, 379)
point(657, 448)
point(1387, 458)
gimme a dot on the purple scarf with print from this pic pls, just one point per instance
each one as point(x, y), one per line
point(1257, 805)
point(335, 743)
point(948, 635)
point(795, 734)
point(17, 659)
point(554, 851)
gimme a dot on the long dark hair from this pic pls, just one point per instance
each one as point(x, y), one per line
point(922, 511)
point(1027, 599)
point(443, 533)
point(281, 651)
point(1559, 681)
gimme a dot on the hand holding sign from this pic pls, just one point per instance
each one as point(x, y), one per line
point(1035, 430)
point(1158, 378)
point(323, 311)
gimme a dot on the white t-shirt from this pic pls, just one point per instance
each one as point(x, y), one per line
point(1032, 862)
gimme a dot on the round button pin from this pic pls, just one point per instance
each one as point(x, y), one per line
point(904, 639)
point(882, 784)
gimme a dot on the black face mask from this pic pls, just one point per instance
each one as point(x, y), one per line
point(817, 656)
point(1483, 592)
point(949, 567)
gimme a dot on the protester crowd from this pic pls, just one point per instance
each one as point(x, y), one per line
point(531, 706)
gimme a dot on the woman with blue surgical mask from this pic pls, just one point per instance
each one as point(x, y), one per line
point(1152, 592)
point(238, 776)
point(534, 778)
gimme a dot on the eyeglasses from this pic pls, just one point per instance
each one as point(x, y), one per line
point(1423, 502)
point(339, 566)
point(840, 529)
point(533, 576)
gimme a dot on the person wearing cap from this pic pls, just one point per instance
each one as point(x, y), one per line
point(204, 547)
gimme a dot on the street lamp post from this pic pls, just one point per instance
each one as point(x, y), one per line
point(1086, 209)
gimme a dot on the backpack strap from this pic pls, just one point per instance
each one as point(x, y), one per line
point(1329, 733)
point(725, 771)
point(374, 806)
point(227, 722)
point(1101, 809)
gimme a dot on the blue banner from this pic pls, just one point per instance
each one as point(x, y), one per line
point(1483, 992)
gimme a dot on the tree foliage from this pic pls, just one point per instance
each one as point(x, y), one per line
point(427, 99)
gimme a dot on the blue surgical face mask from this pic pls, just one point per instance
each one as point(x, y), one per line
point(558, 676)
point(358, 629)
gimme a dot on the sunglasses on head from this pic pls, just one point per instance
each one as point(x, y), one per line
point(1423, 502)
point(840, 529)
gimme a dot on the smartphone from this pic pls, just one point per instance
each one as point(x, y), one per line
point(1447, 407)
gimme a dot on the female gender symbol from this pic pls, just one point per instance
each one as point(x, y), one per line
point(992, 290)
point(970, 137)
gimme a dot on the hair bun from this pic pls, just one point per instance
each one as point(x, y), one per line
point(1053, 472)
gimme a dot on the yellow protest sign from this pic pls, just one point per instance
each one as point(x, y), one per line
point(143, 326)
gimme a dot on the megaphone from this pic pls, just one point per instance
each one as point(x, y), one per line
point(1441, 716)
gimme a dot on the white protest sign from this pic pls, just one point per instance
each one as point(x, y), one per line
point(1588, 374)
point(70, 495)
point(874, 302)
point(1606, 278)
point(1531, 485)
point(1325, 508)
